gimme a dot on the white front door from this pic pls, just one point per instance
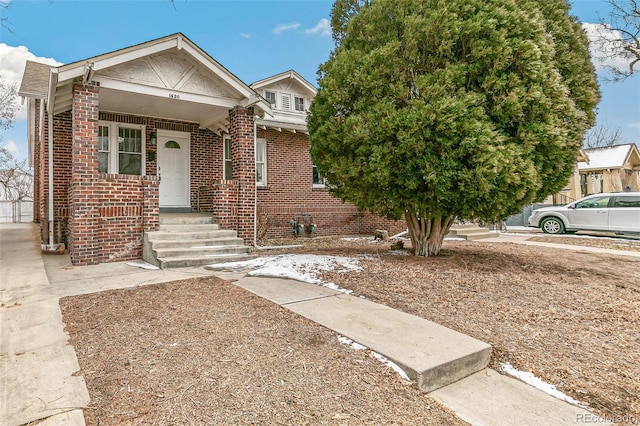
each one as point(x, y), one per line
point(173, 167)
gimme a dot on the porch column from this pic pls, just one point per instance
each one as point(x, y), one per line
point(244, 168)
point(83, 235)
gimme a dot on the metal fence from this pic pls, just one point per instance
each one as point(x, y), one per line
point(16, 211)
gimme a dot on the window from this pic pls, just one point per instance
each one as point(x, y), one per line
point(630, 201)
point(129, 151)
point(120, 149)
point(318, 178)
point(261, 162)
point(270, 97)
point(103, 149)
point(593, 203)
point(286, 102)
point(299, 103)
point(228, 165)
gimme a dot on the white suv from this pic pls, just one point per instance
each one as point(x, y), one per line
point(615, 212)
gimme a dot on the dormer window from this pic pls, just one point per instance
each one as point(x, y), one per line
point(270, 97)
point(299, 104)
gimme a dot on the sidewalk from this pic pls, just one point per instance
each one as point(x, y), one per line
point(38, 367)
point(523, 239)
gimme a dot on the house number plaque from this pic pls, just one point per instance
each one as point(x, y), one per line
point(174, 96)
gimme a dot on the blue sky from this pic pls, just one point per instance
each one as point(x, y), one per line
point(252, 39)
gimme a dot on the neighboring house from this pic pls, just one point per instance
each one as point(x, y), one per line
point(117, 139)
point(611, 169)
point(572, 190)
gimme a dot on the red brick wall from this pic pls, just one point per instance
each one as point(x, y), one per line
point(243, 157)
point(290, 194)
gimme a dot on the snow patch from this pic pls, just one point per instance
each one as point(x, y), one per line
point(358, 347)
point(143, 265)
point(537, 383)
point(300, 267)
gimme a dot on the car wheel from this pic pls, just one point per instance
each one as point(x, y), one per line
point(552, 225)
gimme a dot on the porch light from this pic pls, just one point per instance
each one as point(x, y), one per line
point(153, 139)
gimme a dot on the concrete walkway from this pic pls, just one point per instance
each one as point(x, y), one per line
point(38, 369)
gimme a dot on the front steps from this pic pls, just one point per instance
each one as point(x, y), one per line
point(470, 232)
point(191, 239)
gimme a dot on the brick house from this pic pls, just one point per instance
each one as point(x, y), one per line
point(121, 138)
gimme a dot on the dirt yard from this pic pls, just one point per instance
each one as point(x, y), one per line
point(204, 351)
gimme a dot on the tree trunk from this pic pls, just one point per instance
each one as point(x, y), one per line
point(427, 233)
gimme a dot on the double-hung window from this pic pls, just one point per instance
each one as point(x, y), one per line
point(228, 165)
point(270, 97)
point(261, 162)
point(121, 148)
point(299, 103)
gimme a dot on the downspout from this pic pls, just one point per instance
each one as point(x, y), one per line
point(50, 192)
point(255, 200)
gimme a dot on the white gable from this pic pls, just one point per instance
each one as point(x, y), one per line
point(171, 70)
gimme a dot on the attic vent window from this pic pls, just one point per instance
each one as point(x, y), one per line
point(286, 102)
point(172, 145)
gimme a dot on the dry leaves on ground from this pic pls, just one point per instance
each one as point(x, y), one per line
point(572, 318)
point(204, 351)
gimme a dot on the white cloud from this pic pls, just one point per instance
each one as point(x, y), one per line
point(245, 35)
point(12, 147)
point(285, 27)
point(323, 28)
point(606, 46)
point(634, 125)
point(12, 68)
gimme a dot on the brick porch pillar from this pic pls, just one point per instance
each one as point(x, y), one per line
point(83, 220)
point(244, 168)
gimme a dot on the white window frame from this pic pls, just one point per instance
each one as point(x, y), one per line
point(225, 160)
point(297, 99)
point(261, 145)
point(275, 97)
point(113, 163)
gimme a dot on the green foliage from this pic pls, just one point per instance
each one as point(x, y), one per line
point(465, 108)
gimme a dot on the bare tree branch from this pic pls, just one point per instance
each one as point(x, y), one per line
point(623, 23)
point(601, 136)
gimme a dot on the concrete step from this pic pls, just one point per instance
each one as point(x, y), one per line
point(200, 251)
point(470, 232)
point(194, 234)
point(185, 218)
point(191, 240)
point(185, 261)
point(431, 355)
point(197, 242)
point(189, 227)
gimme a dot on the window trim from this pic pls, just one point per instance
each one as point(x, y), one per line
point(275, 97)
point(113, 166)
point(226, 160)
point(261, 142)
point(295, 103)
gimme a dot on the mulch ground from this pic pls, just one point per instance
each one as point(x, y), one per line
point(203, 351)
